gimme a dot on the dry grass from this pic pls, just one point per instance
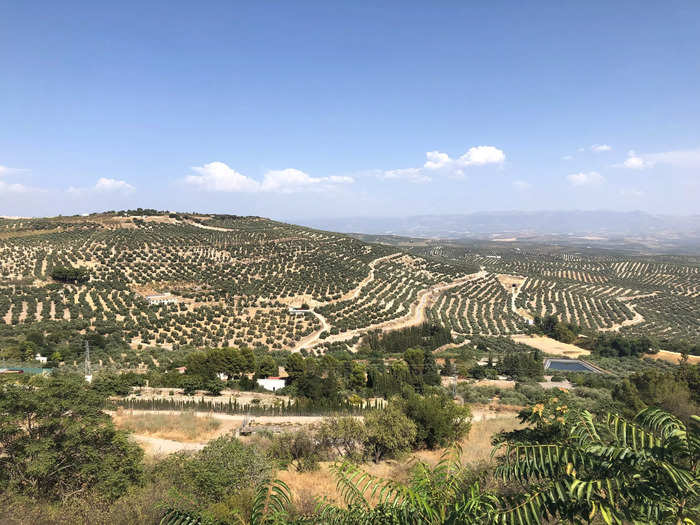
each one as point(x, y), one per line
point(507, 280)
point(185, 426)
point(499, 383)
point(673, 357)
point(476, 450)
point(550, 346)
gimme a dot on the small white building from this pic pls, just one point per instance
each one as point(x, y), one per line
point(161, 298)
point(41, 358)
point(271, 383)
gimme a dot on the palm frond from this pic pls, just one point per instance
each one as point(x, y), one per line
point(271, 503)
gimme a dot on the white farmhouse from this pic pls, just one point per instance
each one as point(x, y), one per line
point(161, 298)
point(298, 311)
point(271, 383)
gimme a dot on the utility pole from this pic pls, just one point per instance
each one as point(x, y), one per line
point(88, 368)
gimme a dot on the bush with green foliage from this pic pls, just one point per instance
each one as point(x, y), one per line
point(220, 471)
point(670, 391)
point(70, 275)
point(390, 433)
point(55, 442)
point(439, 421)
point(344, 436)
point(299, 449)
point(615, 345)
point(551, 326)
point(522, 365)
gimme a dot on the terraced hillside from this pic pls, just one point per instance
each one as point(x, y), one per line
point(218, 280)
point(248, 281)
point(652, 295)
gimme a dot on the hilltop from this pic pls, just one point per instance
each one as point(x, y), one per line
point(174, 280)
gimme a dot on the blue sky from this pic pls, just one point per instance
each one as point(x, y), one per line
point(322, 109)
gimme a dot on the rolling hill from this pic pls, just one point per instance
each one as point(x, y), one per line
point(159, 281)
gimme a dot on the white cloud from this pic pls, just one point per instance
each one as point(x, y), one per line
point(5, 170)
point(104, 184)
point(689, 159)
point(6, 187)
point(415, 175)
point(436, 160)
point(292, 180)
point(591, 178)
point(521, 185)
point(683, 159)
point(481, 155)
point(340, 179)
point(567, 157)
point(635, 162)
point(217, 176)
point(599, 148)
point(475, 156)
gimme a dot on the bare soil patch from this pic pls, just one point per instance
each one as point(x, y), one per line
point(499, 383)
point(550, 346)
point(153, 446)
point(507, 280)
point(673, 357)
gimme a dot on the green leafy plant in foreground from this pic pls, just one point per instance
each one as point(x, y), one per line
point(591, 469)
point(645, 471)
point(437, 495)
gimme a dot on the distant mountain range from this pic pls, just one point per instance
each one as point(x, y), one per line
point(591, 225)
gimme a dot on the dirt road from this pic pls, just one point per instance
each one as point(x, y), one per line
point(416, 313)
point(353, 294)
point(154, 446)
point(637, 319)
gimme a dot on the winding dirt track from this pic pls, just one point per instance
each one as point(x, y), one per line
point(352, 294)
point(416, 314)
point(637, 319)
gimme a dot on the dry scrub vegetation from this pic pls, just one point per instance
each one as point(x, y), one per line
point(476, 451)
point(185, 426)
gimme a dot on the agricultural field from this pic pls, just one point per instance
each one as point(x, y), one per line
point(657, 296)
point(229, 286)
point(247, 281)
point(226, 280)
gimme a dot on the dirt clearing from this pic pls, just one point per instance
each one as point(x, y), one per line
point(550, 346)
point(673, 357)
